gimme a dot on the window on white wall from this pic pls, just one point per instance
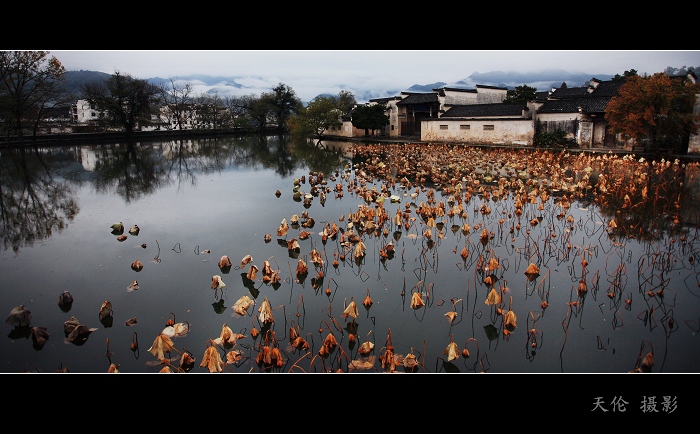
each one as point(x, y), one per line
point(464, 127)
point(443, 127)
point(488, 128)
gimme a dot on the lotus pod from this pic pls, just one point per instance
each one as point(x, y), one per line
point(137, 265)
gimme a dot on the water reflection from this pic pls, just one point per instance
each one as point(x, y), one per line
point(34, 202)
point(425, 253)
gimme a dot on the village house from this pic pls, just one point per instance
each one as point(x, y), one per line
point(458, 115)
point(478, 116)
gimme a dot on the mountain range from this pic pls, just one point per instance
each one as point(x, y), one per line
point(234, 85)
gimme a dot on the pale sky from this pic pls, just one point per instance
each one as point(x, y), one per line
point(314, 72)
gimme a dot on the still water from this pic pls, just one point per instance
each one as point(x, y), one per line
point(76, 219)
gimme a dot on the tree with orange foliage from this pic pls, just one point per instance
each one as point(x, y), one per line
point(658, 108)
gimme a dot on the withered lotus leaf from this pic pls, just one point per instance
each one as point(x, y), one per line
point(388, 360)
point(362, 364)
point(276, 357)
point(216, 282)
point(302, 268)
point(75, 332)
point(417, 301)
point(133, 286)
point(283, 228)
point(532, 269)
point(330, 342)
point(410, 362)
point(39, 336)
point(359, 250)
point(19, 316)
point(451, 316)
point(130, 322)
point(227, 337)
point(493, 298)
point(247, 259)
point(137, 265)
point(252, 272)
point(451, 351)
point(65, 301)
point(316, 258)
point(510, 320)
point(265, 311)
point(233, 356)
point(464, 253)
point(186, 361)
point(242, 304)
point(493, 264)
point(293, 245)
point(176, 330)
point(134, 230)
point(224, 262)
point(106, 309)
point(648, 362)
point(266, 268)
point(212, 360)
point(351, 310)
point(113, 368)
point(161, 344)
point(121, 238)
point(117, 228)
point(299, 343)
point(367, 302)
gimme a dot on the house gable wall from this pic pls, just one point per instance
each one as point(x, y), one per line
point(516, 132)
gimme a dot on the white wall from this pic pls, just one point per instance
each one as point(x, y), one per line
point(505, 131)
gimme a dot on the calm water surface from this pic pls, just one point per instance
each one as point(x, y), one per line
point(197, 200)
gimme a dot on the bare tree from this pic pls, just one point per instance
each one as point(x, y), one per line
point(31, 83)
point(128, 102)
point(178, 103)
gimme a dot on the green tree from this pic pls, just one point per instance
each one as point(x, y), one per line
point(625, 75)
point(321, 114)
point(346, 101)
point(261, 110)
point(128, 102)
point(522, 94)
point(657, 108)
point(370, 117)
point(284, 103)
point(31, 83)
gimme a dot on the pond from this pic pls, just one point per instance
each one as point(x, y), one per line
point(346, 257)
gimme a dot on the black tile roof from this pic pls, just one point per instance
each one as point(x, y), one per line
point(474, 110)
point(419, 98)
point(571, 105)
point(568, 92)
point(607, 88)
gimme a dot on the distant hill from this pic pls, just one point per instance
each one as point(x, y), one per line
point(542, 81)
point(234, 86)
point(74, 80)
